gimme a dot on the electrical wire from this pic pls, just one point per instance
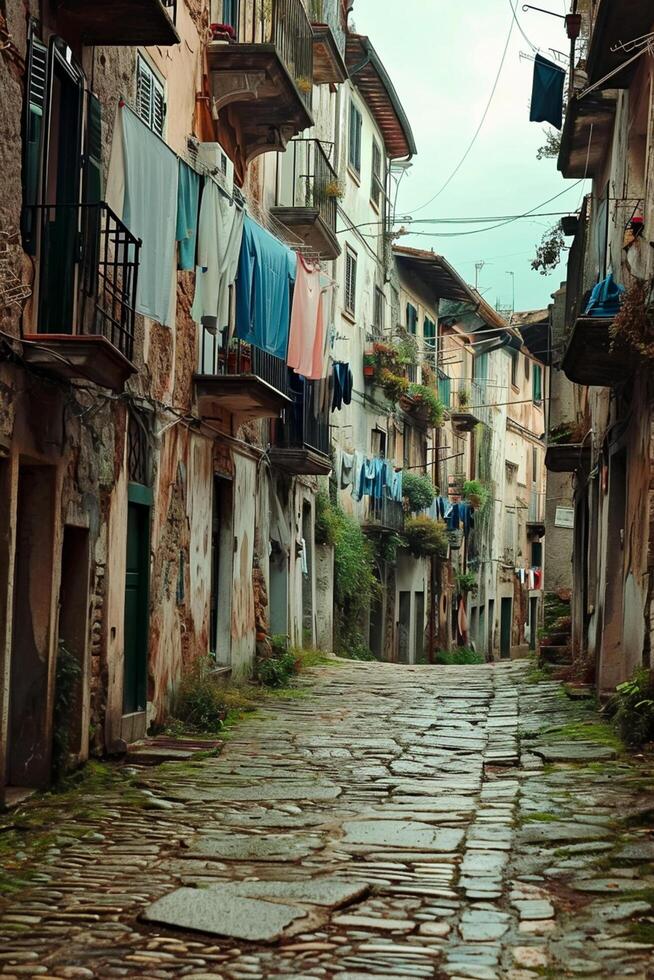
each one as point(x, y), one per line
point(472, 142)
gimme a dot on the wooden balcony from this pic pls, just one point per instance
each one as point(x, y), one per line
point(85, 293)
point(307, 197)
point(261, 82)
point(126, 23)
point(301, 442)
point(568, 457)
point(244, 382)
point(615, 22)
point(328, 42)
point(592, 357)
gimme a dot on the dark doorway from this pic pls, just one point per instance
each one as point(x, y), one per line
point(506, 619)
point(73, 621)
point(376, 631)
point(491, 628)
point(404, 628)
point(307, 577)
point(29, 748)
point(613, 666)
point(533, 623)
point(419, 653)
point(136, 608)
point(482, 639)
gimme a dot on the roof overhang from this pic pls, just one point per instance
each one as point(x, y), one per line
point(371, 78)
point(436, 274)
point(587, 132)
point(616, 21)
point(534, 328)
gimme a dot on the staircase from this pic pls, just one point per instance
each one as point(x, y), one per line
point(555, 648)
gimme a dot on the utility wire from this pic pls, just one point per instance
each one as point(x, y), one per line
point(481, 121)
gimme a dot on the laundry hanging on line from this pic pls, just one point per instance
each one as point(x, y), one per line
point(188, 201)
point(265, 272)
point(306, 342)
point(343, 383)
point(220, 235)
point(547, 92)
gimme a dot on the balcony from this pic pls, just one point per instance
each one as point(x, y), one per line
point(328, 42)
point(85, 292)
point(242, 381)
point(383, 516)
point(568, 457)
point(592, 357)
point(536, 514)
point(261, 81)
point(127, 23)
point(307, 194)
point(462, 408)
point(581, 156)
point(302, 443)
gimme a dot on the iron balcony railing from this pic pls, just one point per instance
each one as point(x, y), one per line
point(328, 12)
point(577, 262)
point(285, 24)
point(300, 427)
point(385, 514)
point(306, 179)
point(240, 358)
point(87, 271)
point(536, 511)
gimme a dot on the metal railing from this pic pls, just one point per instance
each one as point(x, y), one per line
point(328, 12)
point(87, 269)
point(536, 511)
point(576, 278)
point(306, 179)
point(300, 428)
point(240, 358)
point(171, 6)
point(285, 24)
point(385, 514)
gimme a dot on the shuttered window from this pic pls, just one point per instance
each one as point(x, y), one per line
point(429, 333)
point(378, 311)
point(93, 174)
point(411, 319)
point(350, 280)
point(354, 153)
point(377, 186)
point(150, 98)
point(537, 384)
point(36, 88)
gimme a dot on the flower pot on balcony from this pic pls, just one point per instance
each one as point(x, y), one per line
point(239, 365)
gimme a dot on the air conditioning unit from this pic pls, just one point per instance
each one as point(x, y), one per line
point(211, 159)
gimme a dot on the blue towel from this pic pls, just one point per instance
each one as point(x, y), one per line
point(397, 486)
point(263, 308)
point(605, 298)
point(188, 198)
point(466, 513)
point(547, 92)
point(454, 518)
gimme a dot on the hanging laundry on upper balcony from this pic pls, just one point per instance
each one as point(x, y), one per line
point(263, 304)
point(220, 234)
point(188, 199)
point(547, 92)
point(605, 299)
point(306, 347)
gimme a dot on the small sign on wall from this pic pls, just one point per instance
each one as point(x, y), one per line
point(565, 517)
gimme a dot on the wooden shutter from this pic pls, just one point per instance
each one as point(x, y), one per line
point(93, 168)
point(376, 184)
point(411, 318)
point(35, 99)
point(350, 280)
point(354, 156)
point(144, 83)
point(158, 108)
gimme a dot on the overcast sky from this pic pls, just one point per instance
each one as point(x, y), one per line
point(443, 57)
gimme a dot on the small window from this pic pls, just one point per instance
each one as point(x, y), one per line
point(350, 280)
point(378, 310)
point(354, 154)
point(537, 384)
point(527, 366)
point(377, 186)
point(429, 334)
point(534, 465)
point(378, 442)
point(411, 319)
point(514, 368)
point(150, 98)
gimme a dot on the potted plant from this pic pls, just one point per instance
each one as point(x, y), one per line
point(334, 188)
point(428, 375)
point(475, 493)
point(418, 490)
point(426, 537)
point(463, 396)
point(304, 84)
point(466, 583)
point(388, 356)
point(425, 401)
point(393, 386)
point(369, 364)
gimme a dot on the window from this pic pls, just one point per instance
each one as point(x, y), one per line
point(515, 357)
point(230, 13)
point(377, 185)
point(537, 384)
point(378, 442)
point(527, 366)
point(534, 465)
point(536, 554)
point(429, 334)
point(354, 152)
point(150, 98)
point(350, 280)
point(411, 319)
point(378, 310)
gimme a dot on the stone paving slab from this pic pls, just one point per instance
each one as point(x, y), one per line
point(396, 821)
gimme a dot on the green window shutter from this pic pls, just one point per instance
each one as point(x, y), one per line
point(537, 383)
point(411, 319)
point(429, 332)
point(35, 98)
point(93, 174)
point(354, 138)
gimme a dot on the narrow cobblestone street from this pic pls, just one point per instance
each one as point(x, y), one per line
point(392, 821)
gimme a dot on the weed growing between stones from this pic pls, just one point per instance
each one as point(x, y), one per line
point(632, 708)
point(458, 656)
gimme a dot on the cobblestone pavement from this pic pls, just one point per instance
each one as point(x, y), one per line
point(395, 822)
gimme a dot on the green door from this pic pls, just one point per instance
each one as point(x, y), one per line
point(506, 614)
point(136, 608)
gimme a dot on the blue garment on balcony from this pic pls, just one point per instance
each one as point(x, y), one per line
point(547, 92)
point(454, 518)
point(466, 513)
point(371, 479)
point(266, 270)
point(443, 508)
point(188, 200)
point(342, 385)
point(397, 485)
point(142, 190)
point(605, 299)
